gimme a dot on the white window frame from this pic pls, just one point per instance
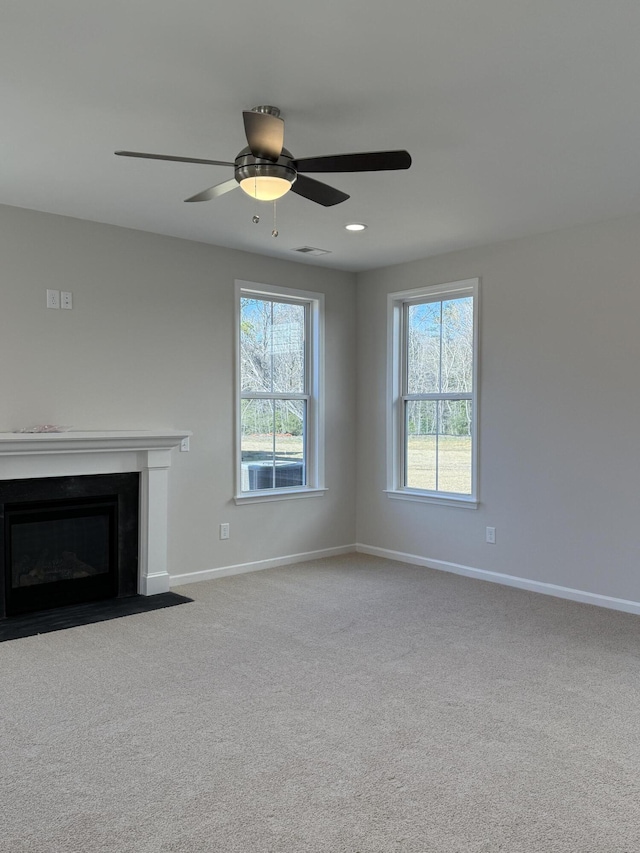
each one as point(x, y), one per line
point(396, 335)
point(314, 364)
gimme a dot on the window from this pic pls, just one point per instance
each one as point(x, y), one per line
point(279, 375)
point(433, 334)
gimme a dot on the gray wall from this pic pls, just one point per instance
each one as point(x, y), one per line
point(149, 344)
point(559, 416)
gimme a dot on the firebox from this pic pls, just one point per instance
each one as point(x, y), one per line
point(67, 540)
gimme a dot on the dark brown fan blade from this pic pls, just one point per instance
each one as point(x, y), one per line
point(214, 192)
point(373, 161)
point(171, 157)
point(265, 134)
point(315, 191)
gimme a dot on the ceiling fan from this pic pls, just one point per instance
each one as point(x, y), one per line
point(265, 170)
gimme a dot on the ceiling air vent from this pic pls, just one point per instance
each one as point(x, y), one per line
point(310, 250)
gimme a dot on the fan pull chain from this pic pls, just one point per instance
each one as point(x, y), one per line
point(274, 233)
point(255, 218)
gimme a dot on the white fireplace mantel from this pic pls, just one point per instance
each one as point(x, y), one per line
point(65, 454)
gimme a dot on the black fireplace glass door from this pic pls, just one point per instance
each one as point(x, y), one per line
point(60, 552)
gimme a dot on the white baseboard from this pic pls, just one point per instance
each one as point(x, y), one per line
point(258, 565)
point(622, 604)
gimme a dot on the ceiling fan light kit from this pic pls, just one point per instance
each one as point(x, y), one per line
point(266, 171)
point(263, 179)
point(265, 188)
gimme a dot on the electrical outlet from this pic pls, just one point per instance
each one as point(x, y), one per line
point(224, 531)
point(184, 445)
point(66, 299)
point(53, 298)
point(491, 535)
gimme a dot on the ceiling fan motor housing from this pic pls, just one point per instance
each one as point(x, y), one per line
point(248, 166)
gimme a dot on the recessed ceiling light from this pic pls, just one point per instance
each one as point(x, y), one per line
point(355, 226)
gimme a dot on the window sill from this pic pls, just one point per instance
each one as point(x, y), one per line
point(441, 500)
point(277, 495)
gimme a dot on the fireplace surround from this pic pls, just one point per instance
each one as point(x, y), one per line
point(31, 462)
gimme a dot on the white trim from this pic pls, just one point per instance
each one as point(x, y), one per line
point(427, 498)
point(89, 441)
point(276, 495)
point(315, 429)
point(564, 592)
point(396, 303)
point(259, 565)
point(270, 290)
point(154, 584)
point(417, 294)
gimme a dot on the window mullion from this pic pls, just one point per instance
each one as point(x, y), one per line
point(268, 395)
point(447, 395)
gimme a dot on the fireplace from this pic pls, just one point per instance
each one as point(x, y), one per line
point(83, 511)
point(68, 540)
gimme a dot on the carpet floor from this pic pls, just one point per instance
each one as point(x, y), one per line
point(347, 705)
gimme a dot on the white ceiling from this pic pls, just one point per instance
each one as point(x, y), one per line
point(521, 116)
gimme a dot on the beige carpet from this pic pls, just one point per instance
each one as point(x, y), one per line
point(353, 705)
